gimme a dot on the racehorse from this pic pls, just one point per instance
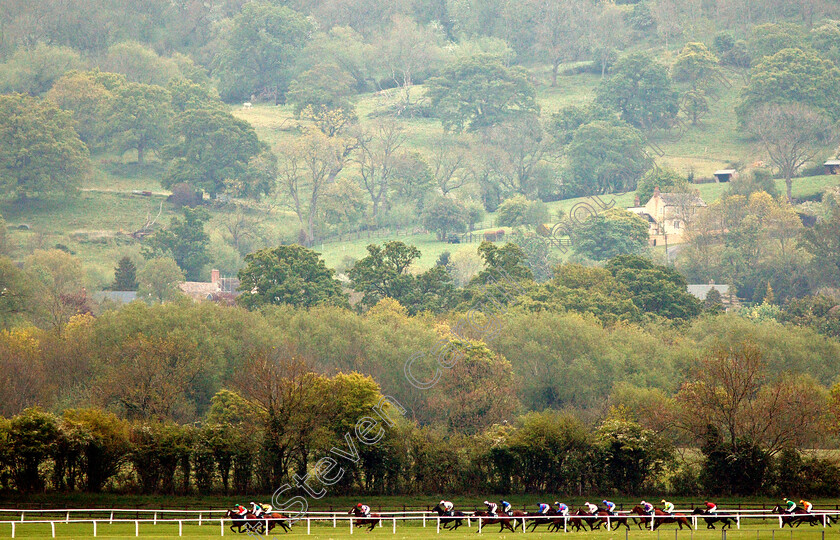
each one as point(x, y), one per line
point(799, 517)
point(447, 519)
point(578, 522)
point(503, 519)
point(711, 519)
point(661, 518)
point(372, 520)
point(238, 521)
point(614, 521)
point(537, 519)
point(275, 520)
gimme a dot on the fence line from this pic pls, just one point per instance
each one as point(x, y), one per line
point(393, 517)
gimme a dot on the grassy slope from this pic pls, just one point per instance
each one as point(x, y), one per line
point(90, 223)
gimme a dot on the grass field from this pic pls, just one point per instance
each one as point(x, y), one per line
point(414, 530)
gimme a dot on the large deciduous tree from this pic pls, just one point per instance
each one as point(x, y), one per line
point(444, 215)
point(291, 275)
point(259, 50)
point(480, 91)
point(792, 134)
point(640, 89)
point(40, 151)
point(140, 118)
point(216, 152)
point(610, 233)
point(158, 280)
point(185, 241)
point(792, 76)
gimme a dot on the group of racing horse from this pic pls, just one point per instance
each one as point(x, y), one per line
point(579, 520)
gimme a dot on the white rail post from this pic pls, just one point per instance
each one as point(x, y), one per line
point(651, 520)
point(738, 519)
point(780, 521)
point(111, 519)
point(824, 521)
point(469, 521)
point(351, 525)
point(608, 523)
point(424, 520)
point(333, 520)
point(694, 522)
point(395, 526)
point(13, 529)
point(199, 519)
point(52, 525)
point(154, 522)
point(67, 520)
point(222, 527)
point(266, 526)
point(180, 528)
point(307, 525)
point(380, 522)
point(21, 515)
point(94, 528)
point(479, 524)
point(523, 525)
point(565, 523)
point(136, 528)
point(438, 524)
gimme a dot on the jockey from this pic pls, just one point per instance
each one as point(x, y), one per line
point(592, 508)
point(711, 508)
point(492, 508)
point(562, 508)
point(364, 509)
point(790, 506)
point(807, 506)
point(267, 508)
point(648, 508)
point(240, 510)
point(506, 508)
point(446, 506)
point(667, 506)
point(609, 506)
point(543, 509)
point(256, 509)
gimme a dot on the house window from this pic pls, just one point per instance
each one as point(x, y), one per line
point(676, 224)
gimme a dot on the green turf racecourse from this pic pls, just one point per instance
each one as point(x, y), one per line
point(751, 529)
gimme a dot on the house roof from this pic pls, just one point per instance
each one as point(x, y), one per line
point(199, 289)
point(725, 171)
point(701, 290)
point(680, 199)
point(832, 162)
point(123, 297)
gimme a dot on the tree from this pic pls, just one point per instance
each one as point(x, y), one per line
point(514, 150)
point(449, 161)
point(125, 276)
point(606, 157)
point(656, 289)
point(32, 436)
point(792, 76)
point(158, 280)
point(307, 168)
point(561, 31)
point(768, 39)
point(408, 50)
point(150, 377)
point(34, 70)
point(216, 152)
point(480, 91)
point(259, 51)
point(611, 233)
point(518, 211)
point(506, 262)
point(324, 87)
point(57, 277)
point(16, 292)
point(826, 39)
point(792, 135)
point(667, 180)
point(39, 150)
point(140, 64)
point(383, 272)
point(697, 66)
point(139, 119)
point(185, 241)
point(444, 215)
point(746, 403)
point(87, 96)
point(105, 444)
point(290, 275)
point(823, 242)
point(376, 159)
point(640, 89)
